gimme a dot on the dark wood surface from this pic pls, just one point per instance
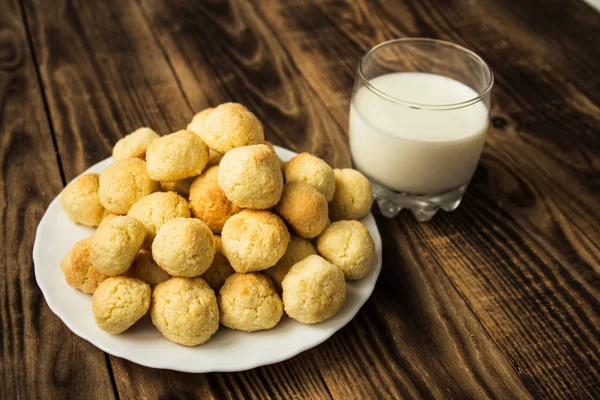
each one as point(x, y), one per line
point(500, 299)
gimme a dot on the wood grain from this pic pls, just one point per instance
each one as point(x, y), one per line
point(540, 168)
point(40, 357)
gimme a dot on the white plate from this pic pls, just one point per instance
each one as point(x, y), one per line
point(227, 350)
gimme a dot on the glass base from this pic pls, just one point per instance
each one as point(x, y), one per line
point(423, 207)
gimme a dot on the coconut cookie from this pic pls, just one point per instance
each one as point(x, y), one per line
point(208, 201)
point(156, 209)
point(197, 123)
point(313, 290)
point(348, 245)
point(304, 209)
point(184, 247)
point(123, 183)
point(181, 187)
point(251, 177)
point(81, 200)
point(297, 250)
point(119, 302)
point(134, 145)
point(145, 269)
point(185, 310)
point(254, 240)
point(231, 125)
point(353, 195)
point(220, 269)
point(78, 270)
point(179, 155)
point(310, 169)
point(249, 302)
point(214, 158)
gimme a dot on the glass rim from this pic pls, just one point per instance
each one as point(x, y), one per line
point(449, 106)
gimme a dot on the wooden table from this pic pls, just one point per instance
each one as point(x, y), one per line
point(499, 299)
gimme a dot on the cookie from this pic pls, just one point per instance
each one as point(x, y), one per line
point(123, 183)
point(78, 270)
point(313, 290)
point(307, 168)
point(297, 250)
point(208, 201)
point(353, 195)
point(177, 156)
point(119, 302)
point(146, 269)
point(81, 200)
point(249, 302)
point(197, 123)
point(231, 125)
point(185, 310)
point(184, 247)
point(134, 145)
point(251, 177)
point(181, 187)
point(304, 209)
point(254, 240)
point(220, 269)
point(348, 245)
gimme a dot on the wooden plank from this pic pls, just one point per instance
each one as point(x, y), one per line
point(104, 76)
point(535, 282)
point(416, 337)
point(39, 358)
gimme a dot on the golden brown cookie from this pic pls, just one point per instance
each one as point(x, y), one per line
point(353, 195)
point(115, 244)
point(208, 202)
point(231, 125)
point(254, 240)
point(119, 302)
point(313, 290)
point(220, 268)
point(107, 216)
point(78, 270)
point(297, 250)
point(81, 200)
point(214, 158)
point(177, 156)
point(307, 168)
point(185, 310)
point(251, 177)
point(348, 245)
point(184, 247)
point(156, 209)
point(134, 145)
point(124, 183)
point(304, 209)
point(197, 123)
point(146, 269)
point(181, 187)
point(249, 302)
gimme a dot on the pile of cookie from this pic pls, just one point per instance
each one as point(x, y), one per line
point(207, 226)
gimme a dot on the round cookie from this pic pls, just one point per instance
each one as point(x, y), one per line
point(208, 202)
point(304, 209)
point(307, 168)
point(231, 125)
point(251, 177)
point(123, 183)
point(254, 240)
point(78, 270)
point(313, 290)
point(115, 243)
point(197, 123)
point(184, 247)
point(249, 302)
point(220, 268)
point(214, 158)
point(297, 250)
point(81, 200)
point(353, 195)
point(348, 245)
point(156, 209)
point(185, 310)
point(176, 156)
point(119, 302)
point(145, 269)
point(107, 216)
point(134, 145)
point(181, 187)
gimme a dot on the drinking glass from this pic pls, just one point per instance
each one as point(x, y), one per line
point(418, 123)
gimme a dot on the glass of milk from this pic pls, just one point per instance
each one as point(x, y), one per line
point(418, 121)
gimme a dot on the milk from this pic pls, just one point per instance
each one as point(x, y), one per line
point(411, 150)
